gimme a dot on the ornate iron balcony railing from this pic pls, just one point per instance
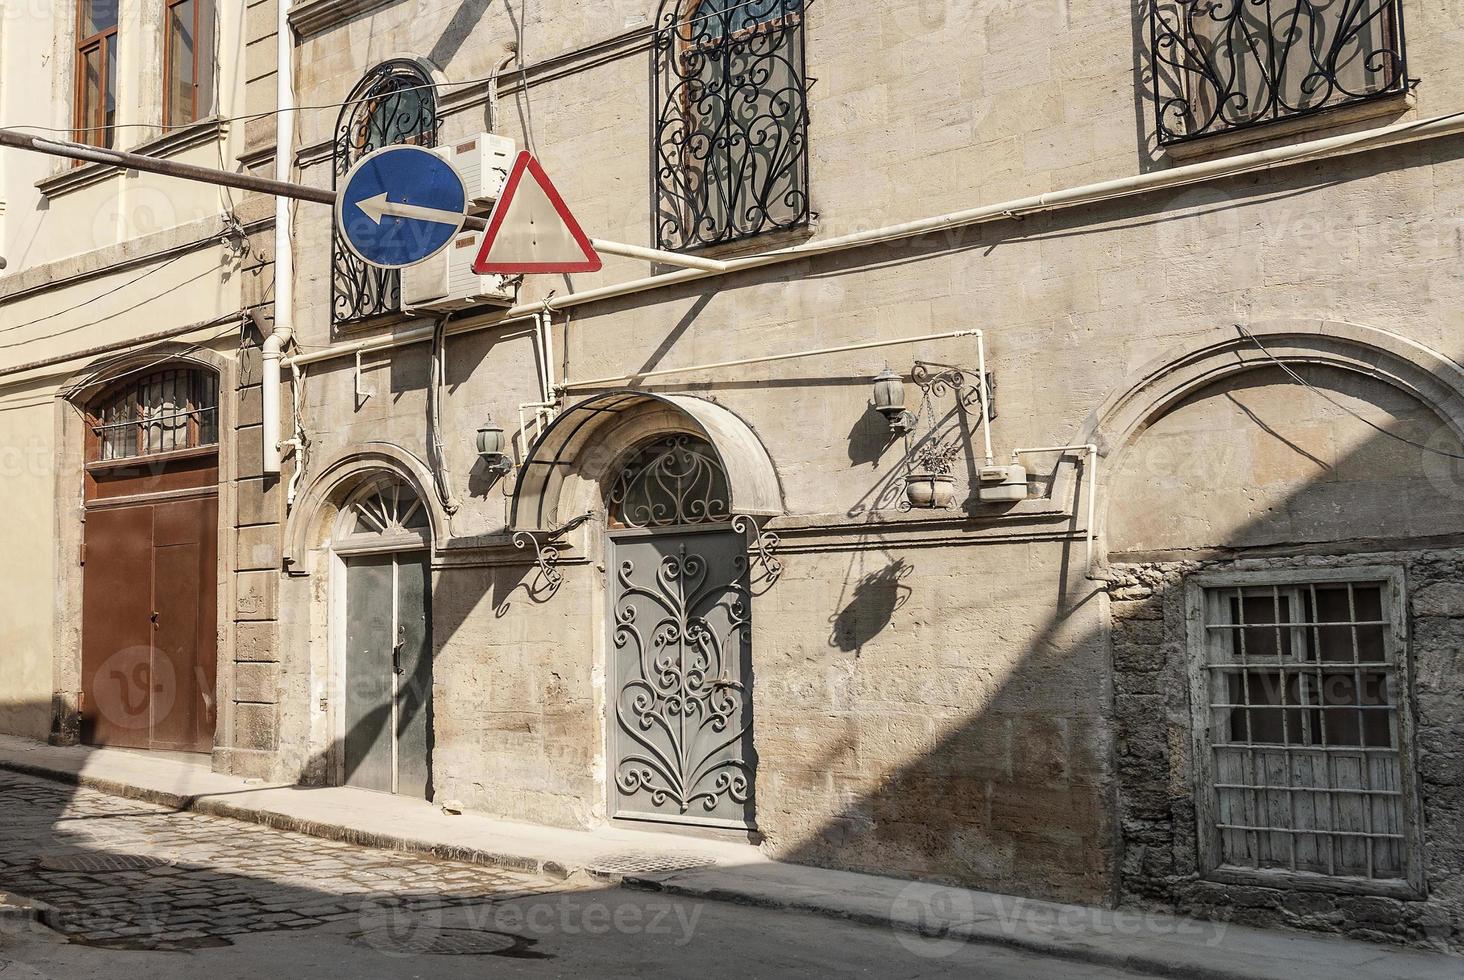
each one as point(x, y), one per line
point(1223, 65)
point(394, 103)
point(730, 120)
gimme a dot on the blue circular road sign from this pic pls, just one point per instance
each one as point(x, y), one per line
point(399, 206)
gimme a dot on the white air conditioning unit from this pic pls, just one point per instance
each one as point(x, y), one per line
point(446, 281)
point(483, 162)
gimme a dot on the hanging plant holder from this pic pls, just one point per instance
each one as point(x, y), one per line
point(930, 484)
point(930, 491)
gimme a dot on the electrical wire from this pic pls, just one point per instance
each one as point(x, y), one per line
point(82, 326)
point(70, 391)
point(251, 116)
point(1317, 391)
point(186, 250)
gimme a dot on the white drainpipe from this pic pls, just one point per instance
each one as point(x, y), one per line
point(284, 307)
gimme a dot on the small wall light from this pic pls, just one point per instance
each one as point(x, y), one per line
point(889, 401)
point(491, 442)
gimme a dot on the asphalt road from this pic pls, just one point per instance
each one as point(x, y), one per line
point(140, 891)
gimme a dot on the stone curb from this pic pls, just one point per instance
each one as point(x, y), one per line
point(279, 821)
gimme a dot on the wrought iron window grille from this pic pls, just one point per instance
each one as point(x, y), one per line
point(1223, 65)
point(1302, 727)
point(394, 103)
point(730, 121)
point(165, 411)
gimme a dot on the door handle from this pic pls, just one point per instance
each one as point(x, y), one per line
point(396, 650)
point(154, 619)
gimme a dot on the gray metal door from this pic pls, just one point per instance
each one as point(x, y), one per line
point(681, 665)
point(388, 674)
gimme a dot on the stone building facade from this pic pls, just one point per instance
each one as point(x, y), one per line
point(1210, 664)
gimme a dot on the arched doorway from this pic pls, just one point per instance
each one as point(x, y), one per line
point(150, 561)
point(384, 639)
point(680, 652)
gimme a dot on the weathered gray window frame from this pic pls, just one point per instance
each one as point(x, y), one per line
point(1207, 803)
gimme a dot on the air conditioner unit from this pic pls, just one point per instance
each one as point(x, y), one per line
point(483, 162)
point(446, 281)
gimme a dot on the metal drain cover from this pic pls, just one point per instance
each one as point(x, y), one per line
point(648, 862)
point(439, 942)
point(95, 862)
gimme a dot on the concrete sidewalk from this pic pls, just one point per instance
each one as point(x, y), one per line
point(934, 919)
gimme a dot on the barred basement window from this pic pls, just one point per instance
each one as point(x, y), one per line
point(395, 103)
point(1221, 65)
point(1303, 732)
point(730, 127)
point(159, 413)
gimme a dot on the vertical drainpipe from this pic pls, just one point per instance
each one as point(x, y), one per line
point(284, 306)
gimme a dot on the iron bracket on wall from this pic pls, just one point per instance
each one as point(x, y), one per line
point(762, 547)
point(547, 548)
point(935, 380)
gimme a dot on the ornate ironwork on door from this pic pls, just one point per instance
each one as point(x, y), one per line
point(675, 480)
point(1221, 65)
point(682, 635)
point(730, 125)
point(681, 727)
point(395, 103)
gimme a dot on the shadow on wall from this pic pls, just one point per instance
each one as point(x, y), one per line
point(1018, 795)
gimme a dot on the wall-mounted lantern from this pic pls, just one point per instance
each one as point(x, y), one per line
point(491, 442)
point(889, 401)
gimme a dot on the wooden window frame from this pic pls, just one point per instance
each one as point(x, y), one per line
point(198, 384)
point(1198, 590)
point(202, 18)
point(105, 43)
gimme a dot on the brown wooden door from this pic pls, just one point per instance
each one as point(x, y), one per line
point(149, 617)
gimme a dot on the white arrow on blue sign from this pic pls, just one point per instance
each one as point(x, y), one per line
point(400, 206)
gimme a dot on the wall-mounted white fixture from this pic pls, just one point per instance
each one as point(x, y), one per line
point(1090, 476)
point(1003, 484)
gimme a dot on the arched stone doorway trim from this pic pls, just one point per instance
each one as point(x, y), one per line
point(568, 466)
point(1432, 378)
point(313, 518)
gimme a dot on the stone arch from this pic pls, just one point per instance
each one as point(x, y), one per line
point(1162, 385)
point(107, 370)
point(316, 509)
point(569, 465)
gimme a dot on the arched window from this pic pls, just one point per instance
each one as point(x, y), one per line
point(730, 133)
point(160, 412)
point(395, 103)
point(384, 511)
point(673, 481)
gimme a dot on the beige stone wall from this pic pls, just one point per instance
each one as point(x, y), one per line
point(933, 696)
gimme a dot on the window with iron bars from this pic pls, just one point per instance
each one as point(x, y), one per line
point(1224, 65)
point(395, 102)
point(729, 125)
point(1303, 730)
point(162, 412)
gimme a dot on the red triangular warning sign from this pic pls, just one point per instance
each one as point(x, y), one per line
point(531, 229)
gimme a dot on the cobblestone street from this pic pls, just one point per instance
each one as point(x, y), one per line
point(128, 873)
point(140, 890)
